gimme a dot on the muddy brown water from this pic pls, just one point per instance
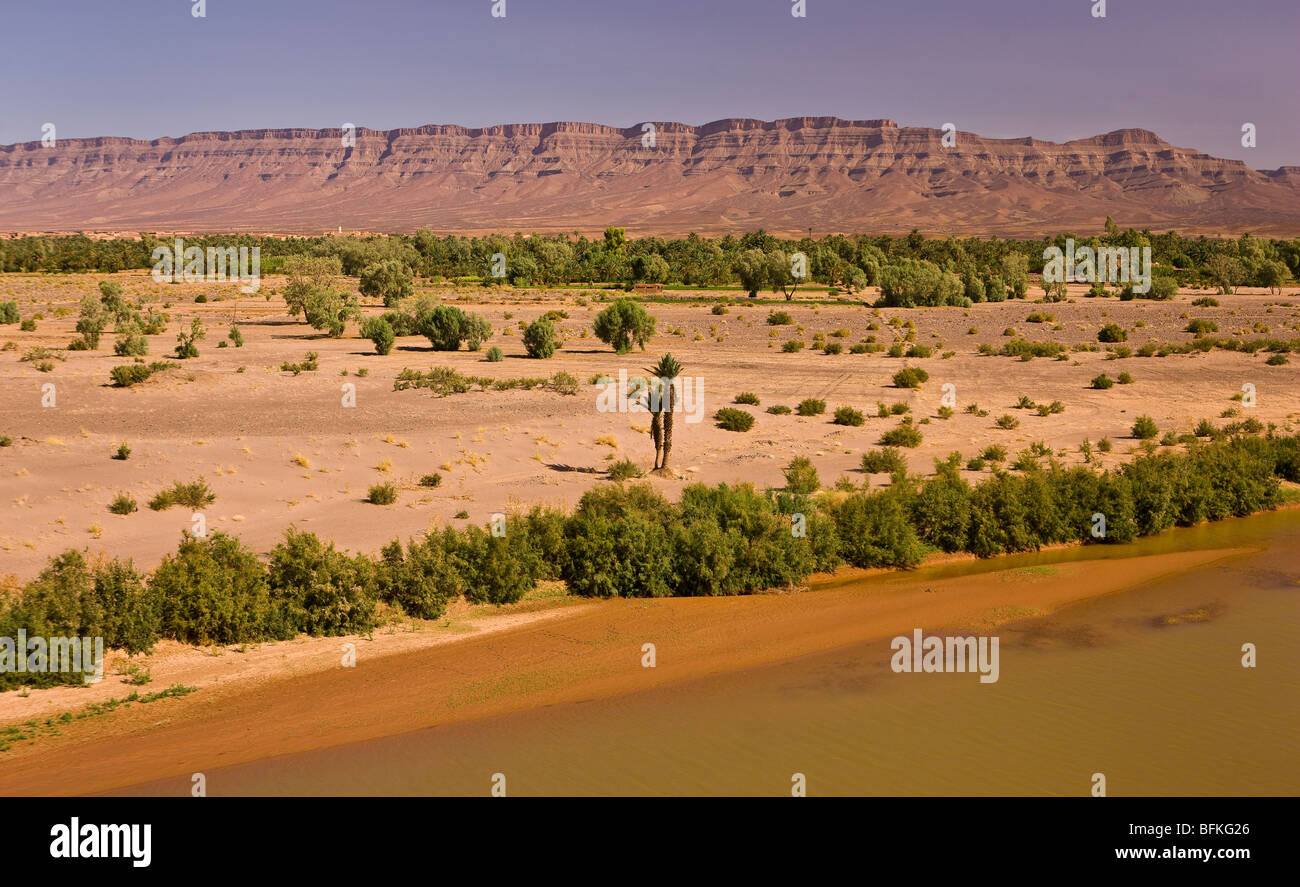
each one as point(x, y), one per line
point(1145, 686)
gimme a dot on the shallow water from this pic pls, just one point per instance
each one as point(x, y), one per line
point(1145, 686)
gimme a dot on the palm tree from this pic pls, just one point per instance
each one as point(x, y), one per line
point(662, 376)
point(646, 396)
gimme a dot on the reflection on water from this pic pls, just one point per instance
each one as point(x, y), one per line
point(1145, 686)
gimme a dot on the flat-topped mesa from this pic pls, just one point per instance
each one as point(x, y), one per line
point(664, 177)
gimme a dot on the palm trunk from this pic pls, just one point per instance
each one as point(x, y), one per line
point(668, 426)
point(656, 434)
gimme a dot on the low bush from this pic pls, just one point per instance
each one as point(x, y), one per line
point(733, 419)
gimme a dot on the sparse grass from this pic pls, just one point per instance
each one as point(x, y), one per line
point(195, 494)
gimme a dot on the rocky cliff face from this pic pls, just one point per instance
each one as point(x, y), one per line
point(787, 176)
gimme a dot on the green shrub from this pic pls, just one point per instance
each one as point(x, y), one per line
point(811, 407)
point(1103, 382)
point(540, 339)
point(910, 377)
point(318, 590)
point(195, 494)
point(308, 364)
point(747, 397)
point(885, 461)
point(123, 504)
point(1200, 326)
point(733, 419)
point(801, 476)
point(848, 416)
point(1145, 428)
point(379, 331)
point(123, 452)
point(382, 494)
point(495, 355)
point(779, 318)
point(779, 409)
point(1007, 421)
point(618, 543)
point(793, 346)
point(28, 325)
point(9, 312)
point(214, 591)
point(235, 336)
point(1112, 332)
point(186, 343)
point(874, 531)
point(431, 480)
point(905, 435)
point(622, 324)
point(624, 469)
point(423, 578)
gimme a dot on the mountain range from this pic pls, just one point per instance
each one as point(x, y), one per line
point(790, 177)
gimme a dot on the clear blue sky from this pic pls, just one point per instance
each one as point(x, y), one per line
point(1192, 70)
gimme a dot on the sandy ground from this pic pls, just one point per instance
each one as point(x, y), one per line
point(285, 698)
point(281, 450)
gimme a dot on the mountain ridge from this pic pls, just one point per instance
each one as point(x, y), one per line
point(786, 175)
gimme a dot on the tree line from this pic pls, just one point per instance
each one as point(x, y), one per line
point(756, 260)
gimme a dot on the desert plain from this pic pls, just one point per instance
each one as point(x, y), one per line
point(280, 449)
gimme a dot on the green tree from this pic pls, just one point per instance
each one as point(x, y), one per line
point(389, 281)
point(623, 323)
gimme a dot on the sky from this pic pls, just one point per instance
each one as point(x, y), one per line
point(1193, 71)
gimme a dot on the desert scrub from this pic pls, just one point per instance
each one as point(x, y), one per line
point(733, 419)
point(308, 364)
point(832, 348)
point(195, 494)
point(123, 452)
point(1103, 382)
point(910, 377)
point(884, 461)
point(495, 355)
point(382, 494)
point(187, 343)
point(1277, 360)
point(811, 407)
point(747, 397)
point(430, 481)
point(792, 346)
point(1200, 327)
point(129, 374)
point(779, 409)
point(905, 435)
point(1125, 379)
point(123, 504)
point(1145, 428)
point(624, 469)
point(1007, 421)
point(235, 336)
point(779, 318)
point(1112, 332)
point(848, 416)
point(541, 339)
